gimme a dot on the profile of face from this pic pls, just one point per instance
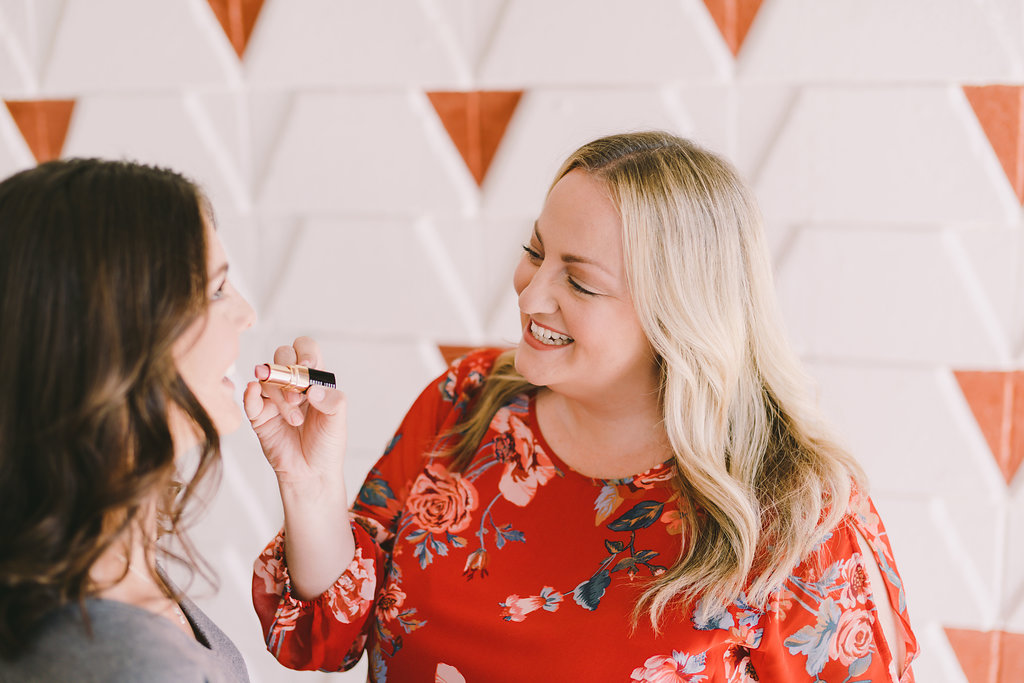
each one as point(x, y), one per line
point(206, 352)
point(581, 334)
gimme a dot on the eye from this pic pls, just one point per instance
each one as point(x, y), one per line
point(532, 254)
point(579, 288)
point(220, 293)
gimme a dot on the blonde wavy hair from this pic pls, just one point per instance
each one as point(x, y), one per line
point(751, 448)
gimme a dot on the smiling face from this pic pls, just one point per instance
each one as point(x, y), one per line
point(207, 351)
point(581, 335)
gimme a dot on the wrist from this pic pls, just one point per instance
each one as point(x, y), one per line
point(318, 492)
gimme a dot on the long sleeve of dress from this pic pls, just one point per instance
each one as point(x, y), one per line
point(823, 624)
point(330, 632)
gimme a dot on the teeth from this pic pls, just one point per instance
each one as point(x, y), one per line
point(546, 336)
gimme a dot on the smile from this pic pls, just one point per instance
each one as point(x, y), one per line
point(549, 337)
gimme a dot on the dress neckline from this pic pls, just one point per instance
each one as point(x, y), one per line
point(659, 475)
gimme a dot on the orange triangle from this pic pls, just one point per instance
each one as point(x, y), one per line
point(476, 122)
point(450, 353)
point(237, 18)
point(43, 124)
point(988, 656)
point(1000, 111)
point(734, 18)
point(997, 401)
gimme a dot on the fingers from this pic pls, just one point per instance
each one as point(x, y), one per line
point(288, 403)
point(307, 352)
point(327, 401)
point(303, 351)
point(256, 404)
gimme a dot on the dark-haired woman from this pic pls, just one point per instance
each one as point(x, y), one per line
point(118, 324)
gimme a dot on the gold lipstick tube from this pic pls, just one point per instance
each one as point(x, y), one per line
point(297, 377)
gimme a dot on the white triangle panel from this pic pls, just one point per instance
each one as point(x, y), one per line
point(158, 130)
point(993, 259)
point(940, 543)
point(365, 277)
point(15, 154)
point(25, 29)
point(381, 379)
point(333, 155)
point(909, 427)
point(911, 156)
point(486, 251)
point(877, 41)
point(576, 42)
point(349, 43)
point(468, 24)
point(550, 124)
point(883, 296)
point(105, 45)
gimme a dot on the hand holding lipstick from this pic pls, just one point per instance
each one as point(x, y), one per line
point(297, 414)
point(299, 417)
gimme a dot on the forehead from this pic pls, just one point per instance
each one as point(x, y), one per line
point(215, 254)
point(579, 216)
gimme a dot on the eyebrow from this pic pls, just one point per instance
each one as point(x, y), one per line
point(571, 258)
point(220, 271)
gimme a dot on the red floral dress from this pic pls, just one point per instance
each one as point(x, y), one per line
point(520, 568)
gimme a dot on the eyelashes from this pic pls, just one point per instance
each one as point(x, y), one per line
point(575, 285)
point(536, 258)
point(219, 294)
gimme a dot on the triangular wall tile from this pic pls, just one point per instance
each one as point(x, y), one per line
point(1000, 111)
point(733, 18)
point(237, 18)
point(476, 122)
point(997, 401)
point(43, 124)
point(450, 353)
point(988, 656)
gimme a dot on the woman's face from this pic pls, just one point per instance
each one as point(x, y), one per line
point(581, 335)
point(206, 353)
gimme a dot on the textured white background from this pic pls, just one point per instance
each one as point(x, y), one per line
point(349, 214)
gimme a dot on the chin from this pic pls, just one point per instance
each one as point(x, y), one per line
point(227, 422)
point(528, 372)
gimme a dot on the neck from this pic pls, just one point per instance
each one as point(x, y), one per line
point(125, 572)
point(604, 439)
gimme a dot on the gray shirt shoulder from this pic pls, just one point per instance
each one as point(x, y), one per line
point(126, 644)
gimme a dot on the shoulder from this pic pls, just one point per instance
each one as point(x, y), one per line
point(121, 643)
point(844, 605)
point(466, 375)
point(858, 537)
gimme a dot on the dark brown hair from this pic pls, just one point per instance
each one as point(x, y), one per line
point(103, 265)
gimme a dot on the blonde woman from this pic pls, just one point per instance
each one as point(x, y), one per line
point(641, 490)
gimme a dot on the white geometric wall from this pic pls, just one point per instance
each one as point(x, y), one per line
point(374, 167)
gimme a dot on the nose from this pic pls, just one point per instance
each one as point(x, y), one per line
point(536, 292)
point(246, 314)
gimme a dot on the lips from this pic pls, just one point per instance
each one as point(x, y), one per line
point(547, 336)
point(226, 380)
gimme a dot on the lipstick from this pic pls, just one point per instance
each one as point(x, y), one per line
point(293, 377)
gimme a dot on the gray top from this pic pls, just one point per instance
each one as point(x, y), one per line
point(128, 644)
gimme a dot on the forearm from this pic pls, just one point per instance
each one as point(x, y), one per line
point(319, 545)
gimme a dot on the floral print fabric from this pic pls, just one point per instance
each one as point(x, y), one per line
point(519, 567)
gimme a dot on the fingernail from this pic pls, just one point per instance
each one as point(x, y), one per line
point(316, 393)
point(295, 419)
